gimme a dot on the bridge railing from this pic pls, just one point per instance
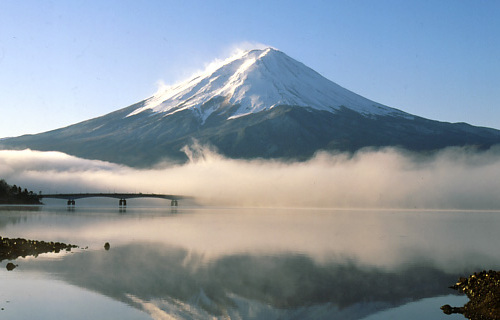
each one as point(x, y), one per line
point(71, 197)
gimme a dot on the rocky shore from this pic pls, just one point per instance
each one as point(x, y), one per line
point(11, 249)
point(483, 291)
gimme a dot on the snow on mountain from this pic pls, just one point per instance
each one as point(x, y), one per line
point(259, 80)
point(293, 112)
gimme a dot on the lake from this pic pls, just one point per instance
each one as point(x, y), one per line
point(243, 263)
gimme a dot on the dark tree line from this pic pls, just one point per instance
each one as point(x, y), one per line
point(16, 195)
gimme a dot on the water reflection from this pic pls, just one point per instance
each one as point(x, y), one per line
point(285, 285)
point(261, 264)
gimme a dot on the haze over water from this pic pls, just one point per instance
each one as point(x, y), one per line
point(454, 178)
point(257, 263)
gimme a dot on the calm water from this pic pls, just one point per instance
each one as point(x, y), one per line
point(199, 263)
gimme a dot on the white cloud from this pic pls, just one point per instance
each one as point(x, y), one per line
point(453, 178)
point(231, 53)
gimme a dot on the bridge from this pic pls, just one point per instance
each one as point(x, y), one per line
point(71, 197)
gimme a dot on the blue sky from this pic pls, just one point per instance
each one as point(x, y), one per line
point(62, 62)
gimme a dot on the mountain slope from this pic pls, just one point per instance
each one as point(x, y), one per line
point(259, 104)
point(259, 80)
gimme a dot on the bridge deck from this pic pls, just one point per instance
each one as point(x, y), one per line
point(122, 196)
point(73, 196)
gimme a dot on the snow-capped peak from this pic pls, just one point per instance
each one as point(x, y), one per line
point(258, 80)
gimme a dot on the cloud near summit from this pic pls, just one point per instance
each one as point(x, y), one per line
point(228, 53)
point(455, 178)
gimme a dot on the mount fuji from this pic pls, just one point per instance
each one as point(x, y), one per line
point(256, 81)
point(259, 104)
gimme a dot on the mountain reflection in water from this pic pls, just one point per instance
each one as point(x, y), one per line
point(317, 265)
point(288, 284)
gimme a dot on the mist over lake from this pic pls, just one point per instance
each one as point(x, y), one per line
point(454, 178)
point(260, 239)
point(200, 262)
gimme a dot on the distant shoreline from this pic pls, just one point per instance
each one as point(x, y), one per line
point(7, 202)
point(13, 195)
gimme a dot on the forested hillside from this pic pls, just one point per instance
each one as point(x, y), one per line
point(16, 195)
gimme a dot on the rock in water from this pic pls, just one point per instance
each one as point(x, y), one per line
point(10, 266)
point(483, 291)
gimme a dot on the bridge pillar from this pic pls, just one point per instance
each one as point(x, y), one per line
point(71, 202)
point(123, 202)
point(173, 203)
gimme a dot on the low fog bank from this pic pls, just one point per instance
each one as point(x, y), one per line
point(455, 178)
